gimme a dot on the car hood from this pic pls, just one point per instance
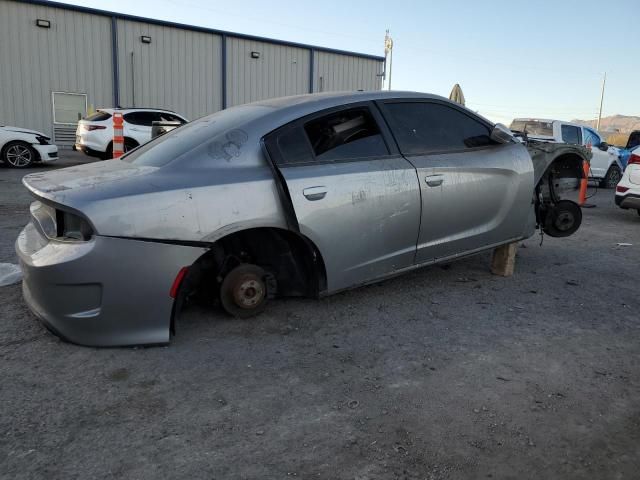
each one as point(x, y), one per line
point(7, 128)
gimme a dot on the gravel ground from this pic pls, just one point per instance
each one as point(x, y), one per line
point(448, 372)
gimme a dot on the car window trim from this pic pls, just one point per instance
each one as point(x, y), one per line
point(455, 107)
point(389, 141)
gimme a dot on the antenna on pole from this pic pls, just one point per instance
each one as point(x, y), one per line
point(604, 81)
point(388, 51)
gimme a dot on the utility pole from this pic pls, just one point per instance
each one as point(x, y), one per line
point(388, 51)
point(604, 81)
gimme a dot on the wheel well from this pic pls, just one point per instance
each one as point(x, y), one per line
point(568, 165)
point(292, 259)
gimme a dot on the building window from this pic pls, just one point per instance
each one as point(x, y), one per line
point(68, 108)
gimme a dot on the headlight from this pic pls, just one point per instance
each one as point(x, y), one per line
point(42, 140)
point(72, 227)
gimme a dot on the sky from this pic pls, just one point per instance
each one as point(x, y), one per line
point(540, 58)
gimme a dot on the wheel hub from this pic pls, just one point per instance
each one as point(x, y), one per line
point(248, 293)
point(564, 221)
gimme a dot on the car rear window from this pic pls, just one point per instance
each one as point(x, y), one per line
point(98, 117)
point(533, 127)
point(217, 134)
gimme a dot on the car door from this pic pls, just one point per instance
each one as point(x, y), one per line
point(601, 160)
point(353, 195)
point(475, 192)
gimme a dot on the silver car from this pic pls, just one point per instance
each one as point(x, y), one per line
point(300, 196)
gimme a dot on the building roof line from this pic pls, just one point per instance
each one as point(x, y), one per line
point(195, 28)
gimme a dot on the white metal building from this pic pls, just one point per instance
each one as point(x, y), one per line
point(59, 61)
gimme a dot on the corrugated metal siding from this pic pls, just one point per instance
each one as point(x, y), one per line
point(71, 56)
point(280, 71)
point(335, 72)
point(179, 70)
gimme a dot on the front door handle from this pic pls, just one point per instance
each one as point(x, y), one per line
point(434, 180)
point(315, 193)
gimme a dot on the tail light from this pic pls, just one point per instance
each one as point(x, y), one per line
point(72, 227)
point(621, 189)
point(634, 159)
point(93, 127)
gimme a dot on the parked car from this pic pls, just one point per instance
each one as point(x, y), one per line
point(628, 189)
point(606, 166)
point(624, 152)
point(94, 135)
point(21, 148)
point(301, 196)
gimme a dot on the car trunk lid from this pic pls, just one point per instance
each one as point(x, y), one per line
point(60, 185)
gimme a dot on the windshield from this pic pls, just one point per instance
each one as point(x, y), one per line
point(533, 127)
point(182, 140)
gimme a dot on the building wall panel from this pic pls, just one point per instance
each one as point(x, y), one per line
point(338, 72)
point(280, 71)
point(179, 70)
point(74, 55)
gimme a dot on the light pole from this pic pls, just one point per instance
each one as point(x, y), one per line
point(388, 51)
point(604, 81)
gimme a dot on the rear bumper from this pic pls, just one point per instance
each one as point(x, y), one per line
point(47, 153)
point(89, 142)
point(630, 200)
point(104, 292)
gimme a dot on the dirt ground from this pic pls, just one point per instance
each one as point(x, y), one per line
point(448, 372)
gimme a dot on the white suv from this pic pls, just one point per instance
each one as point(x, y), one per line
point(605, 164)
point(94, 135)
point(628, 190)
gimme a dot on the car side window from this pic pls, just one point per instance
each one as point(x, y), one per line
point(571, 134)
point(169, 117)
point(421, 127)
point(344, 135)
point(591, 138)
point(139, 118)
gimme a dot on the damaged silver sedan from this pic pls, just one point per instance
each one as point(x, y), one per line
point(301, 196)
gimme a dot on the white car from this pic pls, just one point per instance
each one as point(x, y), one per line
point(21, 148)
point(606, 167)
point(94, 135)
point(628, 190)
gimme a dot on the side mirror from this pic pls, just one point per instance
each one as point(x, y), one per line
point(604, 146)
point(502, 134)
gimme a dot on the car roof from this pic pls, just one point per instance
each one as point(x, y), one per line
point(134, 109)
point(313, 102)
point(330, 98)
point(549, 120)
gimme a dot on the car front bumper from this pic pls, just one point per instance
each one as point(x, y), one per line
point(47, 153)
point(103, 292)
point(630, 200)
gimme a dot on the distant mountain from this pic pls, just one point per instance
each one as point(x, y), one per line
point(614, 124)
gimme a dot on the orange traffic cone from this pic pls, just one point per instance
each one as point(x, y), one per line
point(118, 135)
point(584, 183)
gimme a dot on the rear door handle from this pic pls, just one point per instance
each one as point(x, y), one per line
point(315, 193)
point(434, 180)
